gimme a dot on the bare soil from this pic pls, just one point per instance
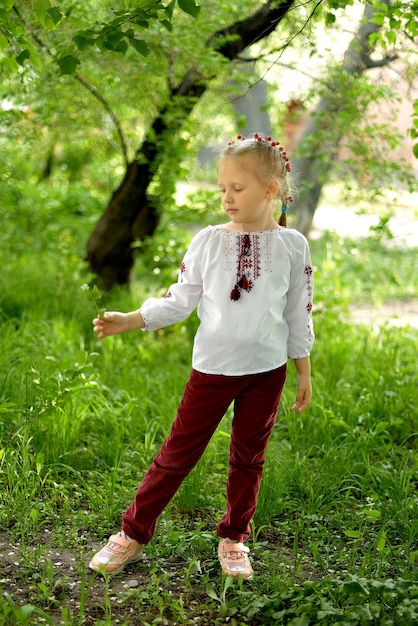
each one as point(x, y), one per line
point(84, 594)
point(127, 598)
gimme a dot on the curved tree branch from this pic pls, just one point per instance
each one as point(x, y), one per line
point(85, 83)
point(96, 94)
point(233, 39)
point(357, 57)
point(388, 58)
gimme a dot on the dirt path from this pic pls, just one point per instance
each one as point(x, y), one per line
point(57, 580)
point(345, 221)
point(404, 228)
point(398, 314)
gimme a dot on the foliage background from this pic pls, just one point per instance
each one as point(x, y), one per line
point(335, 536)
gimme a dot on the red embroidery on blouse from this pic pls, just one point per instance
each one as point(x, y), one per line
point(168, 295)
point(182, 270)
point(248, 264)
point(308, 271)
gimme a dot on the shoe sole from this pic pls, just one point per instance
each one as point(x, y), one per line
point(237, 575)
point(102, 568)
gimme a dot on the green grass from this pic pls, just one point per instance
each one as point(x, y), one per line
point(335, 536)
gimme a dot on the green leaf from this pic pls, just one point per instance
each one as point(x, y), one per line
point(140, 46)
point(55, 14)
point(114, 37)
point(353, 534)
point(27, 610)
point(189, 6)
point(381, 6)
point(378, 19)
point(40, 7)
point(142, 23)
point(122, 47)
point(23, 56)
point(330, 19)
point(413, 556)
point(168, 25)
point(381, 541)
point(82, 42)
point(95, 292)
point(371, 513)
point(68, 64)
point(391, 37)
point(302, 620)
point(170, 8)
point(211, 592)
point(353, 587)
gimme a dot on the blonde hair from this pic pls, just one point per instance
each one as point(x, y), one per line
point(271, 162)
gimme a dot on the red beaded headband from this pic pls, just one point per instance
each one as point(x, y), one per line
point(274, 144)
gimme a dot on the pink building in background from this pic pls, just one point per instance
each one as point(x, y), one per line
point(298, 115)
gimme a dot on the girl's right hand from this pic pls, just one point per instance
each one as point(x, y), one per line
point(111, 323)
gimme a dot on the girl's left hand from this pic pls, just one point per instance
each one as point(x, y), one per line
point(303, 386)
point(303, 397)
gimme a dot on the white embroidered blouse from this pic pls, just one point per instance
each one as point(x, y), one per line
point(254, 296)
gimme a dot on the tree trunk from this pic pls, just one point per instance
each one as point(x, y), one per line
point(131, 214)
point(322, 134)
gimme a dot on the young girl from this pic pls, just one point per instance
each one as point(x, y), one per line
point(252, 281)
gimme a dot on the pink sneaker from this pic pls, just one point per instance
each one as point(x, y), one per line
point(233, 558)
point(118, 552)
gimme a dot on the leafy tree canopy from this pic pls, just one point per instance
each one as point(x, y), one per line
point(130, 56)
point(63, 34)
point(113, 30)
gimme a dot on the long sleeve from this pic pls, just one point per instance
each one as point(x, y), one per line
point(298, 309)
point(182, 297)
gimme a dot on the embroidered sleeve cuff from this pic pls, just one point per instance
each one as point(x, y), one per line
point(144, 317)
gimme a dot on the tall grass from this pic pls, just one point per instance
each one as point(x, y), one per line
point(80, 420)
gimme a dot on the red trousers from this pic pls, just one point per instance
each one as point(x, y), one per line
point(205, 401)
